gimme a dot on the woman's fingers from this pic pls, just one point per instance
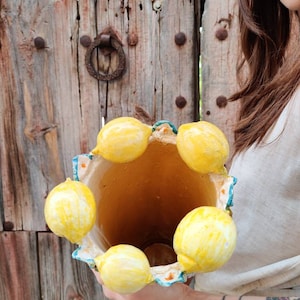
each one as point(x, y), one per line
point(153, 292)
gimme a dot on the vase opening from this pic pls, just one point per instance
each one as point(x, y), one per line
point(142, 202)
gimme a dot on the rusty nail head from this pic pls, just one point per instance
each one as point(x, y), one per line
point(8, 226)
point(221, 101)
point(132, 39)
point(85, 41)
point(221, 34)
point(39, 43)
point(180, 38)
point(180, 102)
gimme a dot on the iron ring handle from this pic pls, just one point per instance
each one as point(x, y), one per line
point(116, 45)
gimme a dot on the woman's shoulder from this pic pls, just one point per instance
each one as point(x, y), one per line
point(287, 123)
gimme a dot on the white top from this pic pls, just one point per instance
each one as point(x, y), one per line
point(267, 214)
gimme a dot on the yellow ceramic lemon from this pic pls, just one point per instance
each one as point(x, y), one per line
point(122, 140)
point(203, 147)
point(70, 210)
point(204, 239)
point(124, 269)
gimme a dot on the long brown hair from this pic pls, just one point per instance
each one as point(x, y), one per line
point(265, 28)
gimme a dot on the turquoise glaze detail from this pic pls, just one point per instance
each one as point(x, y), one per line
point(158, 123)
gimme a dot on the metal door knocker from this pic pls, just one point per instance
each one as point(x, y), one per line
point(107, 42)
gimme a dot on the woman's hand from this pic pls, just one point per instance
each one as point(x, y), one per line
point(154, 291)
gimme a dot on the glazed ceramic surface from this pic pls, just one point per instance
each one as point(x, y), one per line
point(162, 199)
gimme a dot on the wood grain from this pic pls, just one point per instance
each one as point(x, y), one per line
point(219, 61)
point(61, 276)
point(157, 69)
point(19, 269)
point(51, 109)
point(33, 131)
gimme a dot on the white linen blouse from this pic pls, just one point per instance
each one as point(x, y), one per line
point(266, 210)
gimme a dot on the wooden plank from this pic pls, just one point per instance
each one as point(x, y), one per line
point(61, 276)
point(19, 271)
point(40, 111)
point(219, 60)
point(1, 205)
point(44, 127)
point(91, 97)
point(158, 70)
point(13, 166)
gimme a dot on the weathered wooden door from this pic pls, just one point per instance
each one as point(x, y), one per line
point(52, 109)
point(219, 56)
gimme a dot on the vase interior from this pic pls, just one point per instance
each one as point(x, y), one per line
point(141, 202)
